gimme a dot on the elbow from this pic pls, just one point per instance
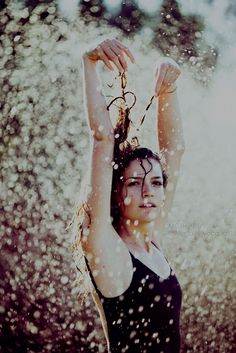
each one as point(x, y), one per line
point(180, 148)
point(103, 136)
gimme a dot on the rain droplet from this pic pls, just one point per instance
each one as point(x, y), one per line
point(37, 314)
point(64, 279)
point(151, 286)
point(169, 297)
point(157, 298)
point(97, 260)
point(133, 333)
point(95, 273)
point(127, 201)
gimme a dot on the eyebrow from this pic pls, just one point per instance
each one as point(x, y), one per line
point(154, 177)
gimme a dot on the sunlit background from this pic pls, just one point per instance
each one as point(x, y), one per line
point(44, 154)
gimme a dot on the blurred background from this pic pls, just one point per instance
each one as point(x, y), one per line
point(44, 146)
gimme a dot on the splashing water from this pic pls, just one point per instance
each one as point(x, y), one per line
point(44, 151)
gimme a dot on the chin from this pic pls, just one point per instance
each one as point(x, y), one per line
point(144, 218)
point(149, 219)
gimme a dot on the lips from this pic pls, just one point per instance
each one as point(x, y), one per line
point(148, 205)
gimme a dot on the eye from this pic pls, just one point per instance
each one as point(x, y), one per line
point(133, 183)
point(157, 183)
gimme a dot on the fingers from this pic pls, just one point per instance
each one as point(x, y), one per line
point(104, 58)
point(125, 49)
point(170, 77)
point(112, 51)
point(114, 55)
point(120, 56)
point(167, 75)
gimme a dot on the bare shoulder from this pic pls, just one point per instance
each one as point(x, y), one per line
point(109, 260)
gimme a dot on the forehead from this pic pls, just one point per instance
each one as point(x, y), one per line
point(135, 168)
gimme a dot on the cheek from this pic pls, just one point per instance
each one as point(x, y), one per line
point(162, 194)
point(130, 195)
point(128, 199)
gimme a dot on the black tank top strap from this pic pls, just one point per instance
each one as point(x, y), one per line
point(92, 278)
point(155, 245)
point(171, 269)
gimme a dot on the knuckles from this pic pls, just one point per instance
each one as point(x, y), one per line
point(168, 63)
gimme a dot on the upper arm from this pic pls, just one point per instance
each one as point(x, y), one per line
point(173, 163)
point(101, 233)
point(107, 255)
point(100, 181)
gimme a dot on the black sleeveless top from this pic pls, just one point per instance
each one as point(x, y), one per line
point(145, 318)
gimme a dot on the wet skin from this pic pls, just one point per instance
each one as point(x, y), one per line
point(142, 192)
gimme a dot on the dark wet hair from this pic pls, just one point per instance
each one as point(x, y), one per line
point(122, 162)
point(125, 152)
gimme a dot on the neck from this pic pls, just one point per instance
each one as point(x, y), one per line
point(138, 236)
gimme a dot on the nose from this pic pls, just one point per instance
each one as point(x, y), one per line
point(147, 191)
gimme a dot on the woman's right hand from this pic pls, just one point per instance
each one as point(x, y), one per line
point(111, 51)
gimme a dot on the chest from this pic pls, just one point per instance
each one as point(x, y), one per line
point(148, 297)
point(156, 263)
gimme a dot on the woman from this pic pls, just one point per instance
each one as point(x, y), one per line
point(137, 294)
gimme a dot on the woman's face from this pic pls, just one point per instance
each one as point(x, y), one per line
point(141, 194)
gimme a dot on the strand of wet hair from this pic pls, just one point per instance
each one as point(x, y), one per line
point(145, 172)
point(123, 123)
point(127, 109)
point(144, 116)
point(123, 93)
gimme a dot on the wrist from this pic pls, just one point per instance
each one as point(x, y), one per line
point(171, 89)
point(86, 58)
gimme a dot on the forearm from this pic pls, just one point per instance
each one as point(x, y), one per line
point(96, 108)
point(170, 130)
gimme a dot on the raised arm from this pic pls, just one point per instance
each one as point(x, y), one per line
point(170, 130)
point(95, 105)
point(101, 243)
point(108, 51)
point(99, 122)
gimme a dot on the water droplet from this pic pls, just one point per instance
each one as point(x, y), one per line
point(132, 335)
point(64, 279)
point(127, 201)
point(157, 298)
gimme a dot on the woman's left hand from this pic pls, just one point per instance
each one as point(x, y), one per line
point(166, 74)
